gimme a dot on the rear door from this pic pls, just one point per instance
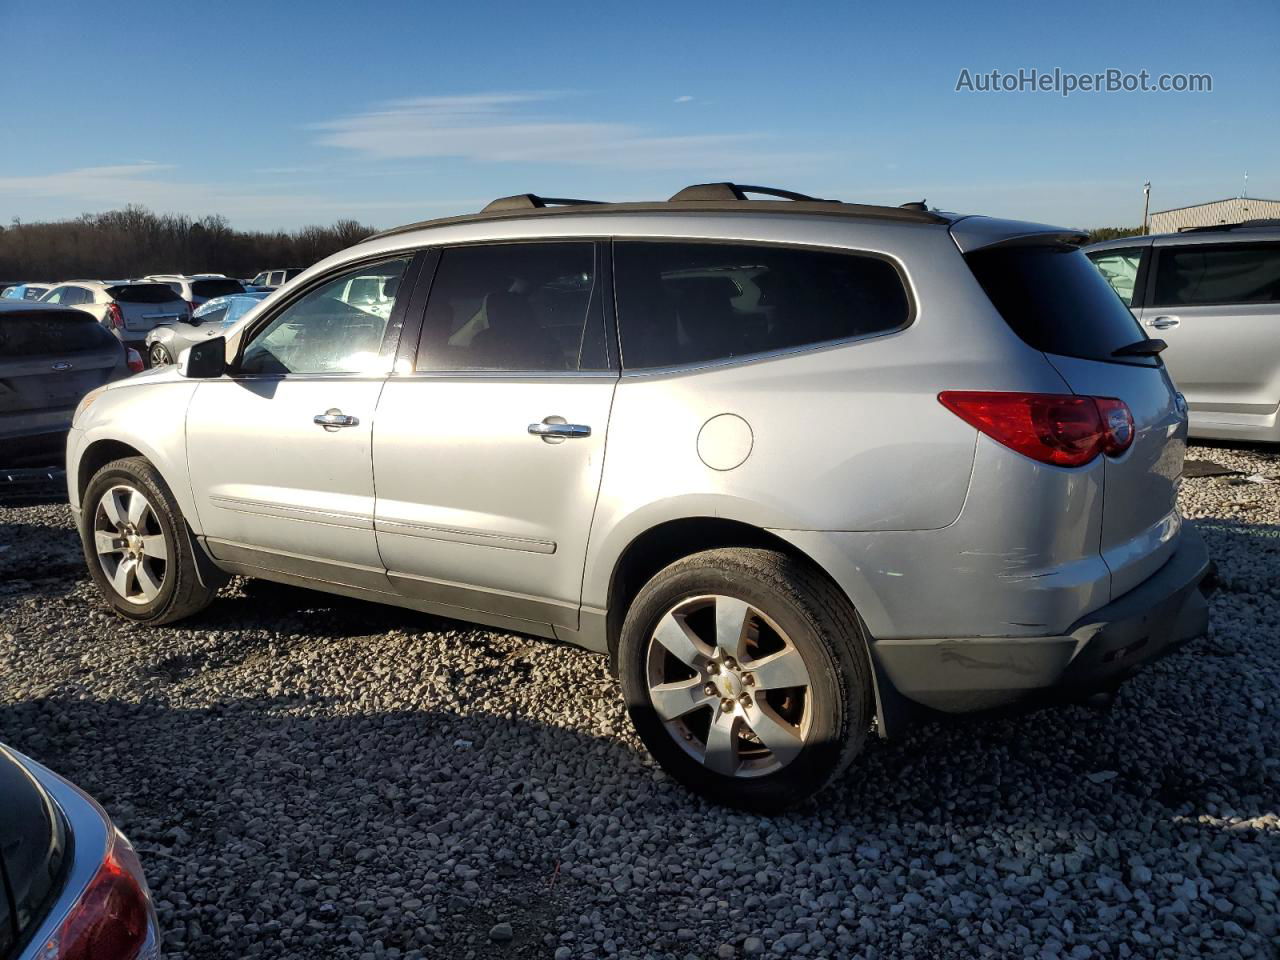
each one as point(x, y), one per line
point(1218, 307)
point(488, 448)
point(1057, 301)
point(49, 359)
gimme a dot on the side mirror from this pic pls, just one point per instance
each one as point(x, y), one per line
point(206, 360)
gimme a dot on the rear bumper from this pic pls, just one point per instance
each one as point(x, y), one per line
point(37, 449)
point(1097, 652)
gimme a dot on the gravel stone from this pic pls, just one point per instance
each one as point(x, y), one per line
point(310, 776)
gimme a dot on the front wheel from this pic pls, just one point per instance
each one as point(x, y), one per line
point(746, 676)
point(136, 544)
point(158, 355)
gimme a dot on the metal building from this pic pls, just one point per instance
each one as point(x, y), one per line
point(1231, 210)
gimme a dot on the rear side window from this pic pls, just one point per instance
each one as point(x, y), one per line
point(1120, 269)
point(34, 335)
point(1231, 273)
point(217, 287)
point(1057, 301)
point(513, 306)
point(142, 293)
point(681, 303)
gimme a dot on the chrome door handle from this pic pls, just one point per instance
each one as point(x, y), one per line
point(559, 430)
point(333, 419)
point(1163, 323)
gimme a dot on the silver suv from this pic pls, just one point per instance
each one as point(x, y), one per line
point(804, 470)
point(1214, 294)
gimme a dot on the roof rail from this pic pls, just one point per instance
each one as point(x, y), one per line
point(739, 191)
point(531, 201)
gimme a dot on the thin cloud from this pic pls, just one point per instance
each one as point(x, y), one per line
point(684, 99)
point(507, 128)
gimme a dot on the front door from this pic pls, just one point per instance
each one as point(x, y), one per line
point(280, 449)
point(488, 452)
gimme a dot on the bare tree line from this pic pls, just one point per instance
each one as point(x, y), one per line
point(134, 242)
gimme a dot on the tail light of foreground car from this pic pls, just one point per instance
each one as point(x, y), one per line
point(134, 359)
point(113, 919)
point(115, 318)
point(1063, 430)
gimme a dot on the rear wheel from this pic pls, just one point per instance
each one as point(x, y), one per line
point(746, 676)
point(136, 544)
point(158, 355)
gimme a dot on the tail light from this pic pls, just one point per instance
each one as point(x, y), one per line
point(114, 317)
point(134, 359)
point(1064, 430)
point(113, 919)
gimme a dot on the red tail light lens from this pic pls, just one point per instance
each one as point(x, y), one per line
point(1064, 430)
point(114, 316)
point(1117, 425)
point(134, 359)
point(112, 918)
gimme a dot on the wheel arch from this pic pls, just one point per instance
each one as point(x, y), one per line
point(668, 541)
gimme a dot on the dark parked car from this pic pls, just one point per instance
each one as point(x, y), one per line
point(50, 357)
point(71, 887)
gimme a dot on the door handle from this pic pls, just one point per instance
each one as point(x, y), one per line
point(1163, 323)
point(332, 419)
point(554, 428)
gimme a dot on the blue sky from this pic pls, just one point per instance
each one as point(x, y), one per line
point(278, 115)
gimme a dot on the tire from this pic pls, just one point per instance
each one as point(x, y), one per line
point(158, 356)
point(770, 608)
point(164, 585)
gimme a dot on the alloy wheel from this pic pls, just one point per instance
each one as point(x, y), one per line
point(159, 355)
point(729, 686)
point(130, 544)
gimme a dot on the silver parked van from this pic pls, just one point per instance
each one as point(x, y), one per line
point(1213, 293)
point(802, 469)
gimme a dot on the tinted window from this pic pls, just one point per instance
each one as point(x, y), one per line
point(324, 332)
point(688, 302)
point(57, 332)
point(218, 287)
point(76, 296)
point(514, 306)
point(1234, 273)
point(1056, 300)
point(1120, 269)
point(142, 293)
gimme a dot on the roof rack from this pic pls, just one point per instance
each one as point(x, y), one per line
point(531, 201)
point(722, 197)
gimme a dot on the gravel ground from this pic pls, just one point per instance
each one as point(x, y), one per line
point(309, 777)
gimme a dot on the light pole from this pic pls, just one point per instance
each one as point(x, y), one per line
point(1146, 205)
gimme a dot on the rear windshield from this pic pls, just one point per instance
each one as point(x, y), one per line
point(1057, 301)
point(33, 335)
point(142, 293)
point(218, 287)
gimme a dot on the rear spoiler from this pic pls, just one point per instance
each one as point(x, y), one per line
point(981, 233)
